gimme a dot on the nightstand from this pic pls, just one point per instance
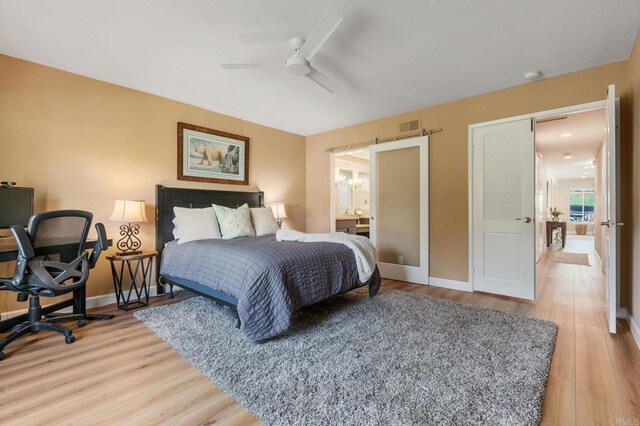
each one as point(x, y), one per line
point(136, 269)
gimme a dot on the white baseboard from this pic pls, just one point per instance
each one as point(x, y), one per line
point(598, 258)
point(450, 284)
point(623, 313)
point(635, 329)
point(92, 302)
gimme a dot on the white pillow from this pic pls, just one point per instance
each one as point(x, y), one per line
point(195, 224)
point(263, 221)
point(234, 223)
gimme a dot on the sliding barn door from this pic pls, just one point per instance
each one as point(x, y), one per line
point(399, 226)
point(503, 209)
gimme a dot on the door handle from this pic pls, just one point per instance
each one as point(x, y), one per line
point(609, 224)
point(525, 219)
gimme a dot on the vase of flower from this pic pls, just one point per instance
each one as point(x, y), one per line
point(555, 214)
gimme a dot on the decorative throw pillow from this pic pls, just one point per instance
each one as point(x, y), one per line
point(234, 223)
point(195, 224)
point(263, 221)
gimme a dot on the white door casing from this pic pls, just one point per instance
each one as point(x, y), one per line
point(540, 206)
point(503, 211)
point(414, 274)
point(611, 223)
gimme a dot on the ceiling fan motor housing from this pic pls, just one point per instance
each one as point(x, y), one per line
point(298, 66)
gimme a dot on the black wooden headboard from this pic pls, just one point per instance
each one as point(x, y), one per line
point(168, 198)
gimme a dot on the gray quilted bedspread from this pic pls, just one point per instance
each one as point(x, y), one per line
point(270, 279)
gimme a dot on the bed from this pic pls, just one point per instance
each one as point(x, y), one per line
point(262, 280)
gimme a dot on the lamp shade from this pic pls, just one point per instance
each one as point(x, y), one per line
point(128, 211)
point(278, 211)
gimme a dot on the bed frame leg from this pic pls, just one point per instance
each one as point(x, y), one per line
point(374, 283)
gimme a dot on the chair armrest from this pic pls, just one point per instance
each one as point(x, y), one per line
point(22, 239)
point(101, 244)
point(25, 254)
point(9, 284)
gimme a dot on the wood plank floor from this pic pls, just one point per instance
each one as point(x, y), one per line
point(118, 372)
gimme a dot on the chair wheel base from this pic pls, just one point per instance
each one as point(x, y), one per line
point(69, 339)
point(82, 323)
point(2, 356)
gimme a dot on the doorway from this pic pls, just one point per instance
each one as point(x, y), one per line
point(569, 186)
point(508, 202)
point(350, 192)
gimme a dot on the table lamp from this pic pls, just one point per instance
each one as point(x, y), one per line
point(279, 212)
point(131, 212)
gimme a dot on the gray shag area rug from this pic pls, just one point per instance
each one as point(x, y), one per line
point(571, 258)
point(396, 359)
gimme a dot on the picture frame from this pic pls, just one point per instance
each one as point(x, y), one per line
point(207, 155)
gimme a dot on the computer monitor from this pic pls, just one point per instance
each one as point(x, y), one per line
point(16, 206)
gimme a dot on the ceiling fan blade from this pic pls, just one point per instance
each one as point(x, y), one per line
point(252, 65)
point(323, 81)
point(319, 35)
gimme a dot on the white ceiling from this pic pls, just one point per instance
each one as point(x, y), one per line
point(583, 134)
point(389, 56)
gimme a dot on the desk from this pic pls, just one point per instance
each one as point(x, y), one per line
point(68, 252)
point(563, 228)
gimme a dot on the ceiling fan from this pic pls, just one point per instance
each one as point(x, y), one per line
point(305, 49)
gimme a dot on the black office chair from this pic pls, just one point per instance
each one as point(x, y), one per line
point(38, 274)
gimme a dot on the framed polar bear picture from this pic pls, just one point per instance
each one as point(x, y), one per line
point(207, 155)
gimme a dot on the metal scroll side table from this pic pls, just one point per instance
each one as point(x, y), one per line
point(137, 268)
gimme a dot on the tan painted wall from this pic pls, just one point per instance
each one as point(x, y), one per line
point(82, 143)
point(560, 196)
point(633, 223)
point(448, 154)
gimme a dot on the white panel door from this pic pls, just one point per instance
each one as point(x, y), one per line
point(503, 209)
point(417, 273)
point(612, 225)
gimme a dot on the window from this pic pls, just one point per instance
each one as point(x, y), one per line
point(581, 205)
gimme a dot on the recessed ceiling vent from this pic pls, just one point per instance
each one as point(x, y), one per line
point(410, 126)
